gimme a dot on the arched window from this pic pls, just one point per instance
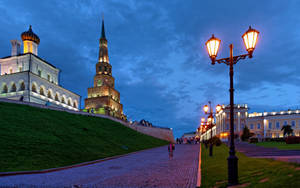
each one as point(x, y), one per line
point(56, 97)
point(5, 89)
point(63, 100)
point(42, 91)
point(74, 105)
point(22, 86)
point(33, 88)
point(49, 95)
point(69, 102)
point(13, 88)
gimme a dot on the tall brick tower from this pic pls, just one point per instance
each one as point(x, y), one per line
point(103, 98)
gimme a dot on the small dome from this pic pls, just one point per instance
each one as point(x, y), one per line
point(30, 35)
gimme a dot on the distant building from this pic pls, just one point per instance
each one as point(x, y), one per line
point(103, 98)
point(223, 120)
point(25, 76)
point(269, 124)
point(263, 125)
point(189, 135)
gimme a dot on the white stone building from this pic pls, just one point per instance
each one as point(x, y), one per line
point(25, 76)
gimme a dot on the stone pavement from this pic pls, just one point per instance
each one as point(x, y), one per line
point(149, 168)
point(252, 150)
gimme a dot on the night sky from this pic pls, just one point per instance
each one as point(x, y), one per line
point(157, 52)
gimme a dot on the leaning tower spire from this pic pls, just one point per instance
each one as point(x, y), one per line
point(103, 30)
point(103, 52)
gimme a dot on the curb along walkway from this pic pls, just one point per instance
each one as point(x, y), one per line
point(149, 168)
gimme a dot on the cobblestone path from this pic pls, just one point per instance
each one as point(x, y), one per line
point(149, 168)
point(252, 150)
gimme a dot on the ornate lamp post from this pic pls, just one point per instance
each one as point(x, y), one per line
point(250, 40)
point(210, 119)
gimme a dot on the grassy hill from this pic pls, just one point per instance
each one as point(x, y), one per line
point(33, 138)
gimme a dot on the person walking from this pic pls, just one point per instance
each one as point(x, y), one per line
point(170, 149)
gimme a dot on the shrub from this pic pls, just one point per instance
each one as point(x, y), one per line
point(267, 139)
point(216, 141)
point(278, 139)
point(246, 134)
point(292, 140)
point(274, 139)
point(253, 140)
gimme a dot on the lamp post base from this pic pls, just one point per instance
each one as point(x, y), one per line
point(232, 170)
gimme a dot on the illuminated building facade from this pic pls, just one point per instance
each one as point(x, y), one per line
point(269, 124)
point(103, 98)
point(263, 125)
point(27, 77)
point(223, 120)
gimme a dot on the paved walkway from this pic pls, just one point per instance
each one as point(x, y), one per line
point(150, 168)
point(252, 150)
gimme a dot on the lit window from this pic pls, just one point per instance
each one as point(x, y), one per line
point(5, 89)
point(49, 95)
point(22, 87)
point(10, 71)
point(13, 88)
point(20, 69)
point(33, 88)
point(42, 91)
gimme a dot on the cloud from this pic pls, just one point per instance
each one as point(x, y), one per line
point(157, 51)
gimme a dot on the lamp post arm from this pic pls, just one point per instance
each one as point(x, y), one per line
point(234, 58)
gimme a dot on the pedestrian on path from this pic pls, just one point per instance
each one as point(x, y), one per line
point(170, 149)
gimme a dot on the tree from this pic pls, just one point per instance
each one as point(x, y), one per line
point(246, 134)
point(287, 130)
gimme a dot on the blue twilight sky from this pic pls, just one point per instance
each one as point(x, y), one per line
point(157, 51)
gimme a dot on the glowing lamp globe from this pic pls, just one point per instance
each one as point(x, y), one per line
point(202, 119)
point(205, 108)
point(218, 108)
point(250, 40)
point(212, 46)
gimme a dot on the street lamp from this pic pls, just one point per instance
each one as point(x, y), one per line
point(250, 40)
point(210, 124)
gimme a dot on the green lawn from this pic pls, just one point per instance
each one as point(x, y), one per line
point(251, 170)
point(279, 145)
point(33, 138)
